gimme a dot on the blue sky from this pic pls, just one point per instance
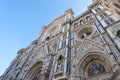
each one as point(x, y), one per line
point(21, 22)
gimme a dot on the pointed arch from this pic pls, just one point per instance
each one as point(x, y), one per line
point(34, 72)
point(98, 62)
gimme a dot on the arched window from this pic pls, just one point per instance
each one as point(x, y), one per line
point(48, 38)
point(75, 25)
point(81, 22)
point(88, 18)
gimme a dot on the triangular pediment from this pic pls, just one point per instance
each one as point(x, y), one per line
point(89, 45)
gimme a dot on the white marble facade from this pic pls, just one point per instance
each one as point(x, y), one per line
point(86, 47)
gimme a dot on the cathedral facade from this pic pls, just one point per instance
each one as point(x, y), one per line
point(86, 47)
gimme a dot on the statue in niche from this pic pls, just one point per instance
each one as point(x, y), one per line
point(95, 69)
point(50, 48)
point(60, 63)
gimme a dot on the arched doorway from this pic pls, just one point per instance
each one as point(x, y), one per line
point(34, 72)
point(96, 70)
point(95, 66)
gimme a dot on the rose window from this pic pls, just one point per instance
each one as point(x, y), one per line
point(86, 32)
